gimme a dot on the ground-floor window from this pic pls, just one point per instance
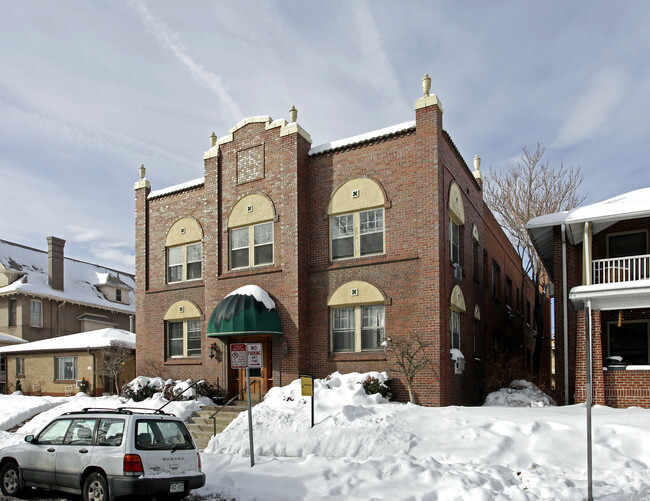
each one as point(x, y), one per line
point(629, 341)
point(358, 328)
point(184, 338)
point(65, 368)
point(20, 366)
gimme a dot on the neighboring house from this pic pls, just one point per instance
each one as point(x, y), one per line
point(44, 294)
point(55, 366)
point(6, 340)
point(321, 253)
point(605, 271)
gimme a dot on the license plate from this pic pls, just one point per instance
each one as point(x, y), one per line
point(176, 487)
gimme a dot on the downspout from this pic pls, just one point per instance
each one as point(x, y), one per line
point(94, 373)
point(131, 323)
point(565, 317)
point(58, 318)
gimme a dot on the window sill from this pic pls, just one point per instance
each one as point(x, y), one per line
point(178, 286)
point(184, 361)
point(354, 356)
point(355, 262)
point(246, 272)
point(65, 381)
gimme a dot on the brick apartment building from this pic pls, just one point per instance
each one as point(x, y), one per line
point(337, 247)
point(598, 257)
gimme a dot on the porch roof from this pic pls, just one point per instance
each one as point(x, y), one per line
point(632, 205)
point(248, 310)
point(613, 296)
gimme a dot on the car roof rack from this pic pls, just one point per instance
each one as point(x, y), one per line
point(119, 410)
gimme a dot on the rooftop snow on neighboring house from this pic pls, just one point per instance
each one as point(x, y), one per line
point(8, 338)
point(80, 278)
point(101, 338)
point(361, 138)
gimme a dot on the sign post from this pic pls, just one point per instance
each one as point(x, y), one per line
point(307, 385)
point(245, 356)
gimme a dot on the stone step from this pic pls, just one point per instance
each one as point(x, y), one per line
point(202, 427)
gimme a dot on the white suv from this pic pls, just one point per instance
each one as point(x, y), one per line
point(105, 454)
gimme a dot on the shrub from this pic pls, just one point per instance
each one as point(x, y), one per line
point(18, 385)
point(84, 385)
point(373, 385)
point(141, 393)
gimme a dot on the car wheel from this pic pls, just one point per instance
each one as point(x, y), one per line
point(95, 488)
point(10, 479)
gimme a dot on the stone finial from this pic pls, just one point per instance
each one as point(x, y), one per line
point(213, 140)
point(143, 170)
point(293, 114)
point(477, 163)
point(477, 170)
point(426, 84)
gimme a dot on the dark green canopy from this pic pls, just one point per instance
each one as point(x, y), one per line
point(243, 314)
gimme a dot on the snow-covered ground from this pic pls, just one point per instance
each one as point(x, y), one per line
point(364, 448)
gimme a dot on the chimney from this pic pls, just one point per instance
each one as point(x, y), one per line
point(55, 262)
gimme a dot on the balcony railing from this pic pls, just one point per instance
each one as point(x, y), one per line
point(621, 269)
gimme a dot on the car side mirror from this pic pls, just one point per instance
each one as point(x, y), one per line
point(30, 439)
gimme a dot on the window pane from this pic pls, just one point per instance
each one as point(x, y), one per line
point(372, 243)
point(454, 241)
point(263, 233)
point(175, 339)
point(372, 327)
point(342, 247)
point(174, 264)
point(193, 254)
point(263, 254)
point(193, 338)
point(629, 244)
point(12, 312)
point(35, 313)
point(455, 330)
point(110, 432)
point(55, 432)
point(343, 329)
point(239, 248)
point(65, 367)
point(629, 341)
point(371, 229)
point(342, 230)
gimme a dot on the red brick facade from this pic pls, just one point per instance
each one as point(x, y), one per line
point(415, 168)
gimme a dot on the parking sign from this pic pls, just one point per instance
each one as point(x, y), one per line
point(238, 356)
point(255, 358)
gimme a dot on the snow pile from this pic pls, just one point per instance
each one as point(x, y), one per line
point(520, 393)
point(23, 407)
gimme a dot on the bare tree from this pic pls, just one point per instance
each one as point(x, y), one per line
point(408, 356)
point(528, 189)
point(111, 359)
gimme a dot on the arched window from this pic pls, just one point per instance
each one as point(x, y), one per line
point(184, 251)
point(356, 214)
point(456, 220)
point(457, 303)
point(357, 317)
point(183, 330)
point(250, 226)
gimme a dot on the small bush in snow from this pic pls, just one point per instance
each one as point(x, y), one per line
point(372, 385)
point(18, 385)
point(139, 393)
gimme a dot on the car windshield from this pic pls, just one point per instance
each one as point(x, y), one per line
point(162, 435)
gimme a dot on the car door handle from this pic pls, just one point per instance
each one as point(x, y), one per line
point(83, 451)
point(51, 449)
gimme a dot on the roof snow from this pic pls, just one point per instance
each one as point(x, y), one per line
point(80, 279)
point(101, 338)
point(178, 187)
point(362, 138)
point(258, 293)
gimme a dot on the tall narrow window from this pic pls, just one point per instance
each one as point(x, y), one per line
point(175, 339)
point(12, 312)
point(371, 232)
point(193, 338)
point(175, 264)
point(263, 243)
point(118, 295)
point(20, 366)
point(193, 258)
point(36, 313)
point(372, 327)
point(342, 232)
point(495, 280)
point(343, 329)
point(454, 241)
point(455, 330)
point(239, 248)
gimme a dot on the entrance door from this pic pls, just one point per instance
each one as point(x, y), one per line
point(261, 379)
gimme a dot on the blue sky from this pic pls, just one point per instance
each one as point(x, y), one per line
point(91, 90)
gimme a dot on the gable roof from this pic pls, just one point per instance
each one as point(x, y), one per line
point(632, 205)
point(101, 338)
point(81, 279)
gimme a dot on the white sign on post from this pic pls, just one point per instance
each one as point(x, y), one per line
point(255, 358)
point(238, 356)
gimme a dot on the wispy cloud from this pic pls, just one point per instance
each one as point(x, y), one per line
point(380, 72)
point(118, 254)
point(81, 234)
point(169, 39)
point(590, 112)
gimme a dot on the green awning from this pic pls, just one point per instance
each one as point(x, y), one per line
point(248, 310)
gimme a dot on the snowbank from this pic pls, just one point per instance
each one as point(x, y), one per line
point(520, 393)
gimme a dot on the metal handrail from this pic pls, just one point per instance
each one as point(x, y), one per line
point(214, 416)
point(622, 269)
point(175, 397)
